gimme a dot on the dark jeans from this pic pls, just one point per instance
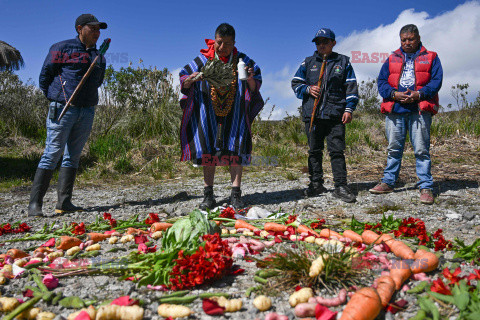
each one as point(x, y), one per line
point(334, 131)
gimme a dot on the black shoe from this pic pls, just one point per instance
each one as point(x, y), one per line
point(344, 194)
point(39, 188)
point(66, 179)
point(208, 199)
point(236, 198)
point(314, 189)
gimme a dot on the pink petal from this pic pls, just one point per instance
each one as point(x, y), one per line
point(49, 243)
point(50, 281)
point(82, 316)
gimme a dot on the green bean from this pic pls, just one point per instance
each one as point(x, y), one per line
point(260, 280)
point(213, 294)
point(24, 306)
point(178, 300)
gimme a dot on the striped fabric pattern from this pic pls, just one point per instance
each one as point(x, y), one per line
point(199, 122)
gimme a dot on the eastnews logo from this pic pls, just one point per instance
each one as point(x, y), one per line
point(365, 57)
point(83, 57)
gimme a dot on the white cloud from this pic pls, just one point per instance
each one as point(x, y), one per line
point(454, 35)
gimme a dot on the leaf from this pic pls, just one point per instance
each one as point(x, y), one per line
point(461, 296)
point(442, 297)
point(428, 305)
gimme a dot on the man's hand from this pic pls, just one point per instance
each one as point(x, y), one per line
point(250, 80)
point(408, 96)
point(315, 91)
point(347, 117)
point(189, 81)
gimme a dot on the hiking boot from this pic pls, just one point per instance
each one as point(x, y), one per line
point(208, 199)
point(236, 198)
point(343, 193)
point(426, 196)
point(66, 179)
point(381, 188)
point(39, 188)
point(314, 189)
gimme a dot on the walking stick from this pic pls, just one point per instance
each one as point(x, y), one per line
point(102, 50)
point(319, 84)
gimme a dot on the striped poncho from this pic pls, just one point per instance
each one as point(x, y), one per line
point(198, 129)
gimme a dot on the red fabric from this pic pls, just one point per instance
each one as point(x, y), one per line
point(423, 67)
point(209, 53)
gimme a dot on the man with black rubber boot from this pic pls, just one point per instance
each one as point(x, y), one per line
point(327, 85)
point(65, 65)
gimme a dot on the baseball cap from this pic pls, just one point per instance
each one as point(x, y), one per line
point(90, 19)
point(324, 33)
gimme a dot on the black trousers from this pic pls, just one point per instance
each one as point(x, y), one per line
point(334, 132)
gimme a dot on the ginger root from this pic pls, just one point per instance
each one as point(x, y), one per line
point(29, 314)
point(300, 296)
point(230, 305)
point(317, 266)
point(127, 238)
point(115, 312)
point(8, 304)
point(173, 310)
point(112, 240)
point(45, 316)
point(93, 247)
point(90, 310)
point(157, 235)
point(73, 250)
point(262, 303)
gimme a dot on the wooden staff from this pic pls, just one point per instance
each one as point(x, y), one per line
point(102, 50)
point(319, 84)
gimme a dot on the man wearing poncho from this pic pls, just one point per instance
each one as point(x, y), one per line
point(216, 122)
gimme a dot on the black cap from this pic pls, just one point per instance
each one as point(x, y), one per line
point(90, 19)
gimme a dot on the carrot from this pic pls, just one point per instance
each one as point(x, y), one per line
point(400, 272)
point(369, 237)
point(352, 235)
point(17, 253)
point(365, 304)
point(303, 228)
point(327, 233)
point(385, 238)
point(275, 227)
point(67, 242)
point(243, 224)
point(160, 226)
point(97, 237)
point(400, 249)
point(136, 231)
point(43, 250)
point(385, 289)
point(425, 261)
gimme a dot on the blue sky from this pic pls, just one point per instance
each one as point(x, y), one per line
point(276, 34)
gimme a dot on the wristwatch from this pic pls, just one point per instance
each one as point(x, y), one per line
point(393, 94)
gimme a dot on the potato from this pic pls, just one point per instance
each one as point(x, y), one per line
point(172, 310)
point(262, 303)
point(112, 240)
point(45, 316)
point(93, 247)
point(8, 304)
point(303, 310)
point(157, 235)
point(300, 296)
point(72, 251)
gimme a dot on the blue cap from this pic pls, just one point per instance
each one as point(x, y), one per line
point(324, 33)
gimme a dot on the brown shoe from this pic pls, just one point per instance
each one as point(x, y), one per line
point(381, 188)
point(426, 196)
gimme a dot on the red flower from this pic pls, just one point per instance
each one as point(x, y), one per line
point(228, 212)
point(107, 216)
point(474, 276)
point(291, 218)
point(113, 223)
point(78, 229)
point(440, 287)
point(317, 225)
point(452, 277)
point(153, 217)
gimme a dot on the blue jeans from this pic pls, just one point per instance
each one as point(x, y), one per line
point(418, 126)
point(67, 137)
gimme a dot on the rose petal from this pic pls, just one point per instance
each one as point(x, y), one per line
point(28, 293)
point(82, 316)
point(323, 313)
point(212, 308)
point(124, 301)
point(50, 281)
point(49, 243)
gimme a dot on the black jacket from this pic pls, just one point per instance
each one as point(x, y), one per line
point(340, 91)
point(69, 60)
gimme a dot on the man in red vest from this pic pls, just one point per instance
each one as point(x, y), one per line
point(409, 82)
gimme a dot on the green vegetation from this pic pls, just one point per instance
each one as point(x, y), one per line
point(136, 131)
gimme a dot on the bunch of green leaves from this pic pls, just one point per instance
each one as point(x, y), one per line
point(101, 224)
point(387, 224)
point(464, 298)
point(293, 264)
point(217, 73)
point(48, 231)
point(469, 253)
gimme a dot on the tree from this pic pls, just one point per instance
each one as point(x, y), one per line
point(10, 58)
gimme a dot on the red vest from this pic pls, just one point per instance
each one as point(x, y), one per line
point(423, 69)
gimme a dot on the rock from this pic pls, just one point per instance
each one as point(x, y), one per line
point(258, 213)
point(468, 216)
point(452, 215)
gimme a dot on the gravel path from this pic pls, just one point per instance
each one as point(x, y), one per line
point(456, 211)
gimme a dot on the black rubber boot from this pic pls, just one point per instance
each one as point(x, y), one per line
point(39, 188)
point(208, 199)
point(236, 198)
point(66, 179)
point(314, 189)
